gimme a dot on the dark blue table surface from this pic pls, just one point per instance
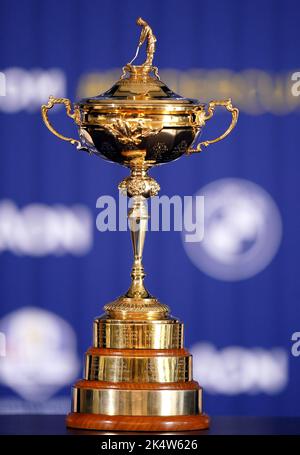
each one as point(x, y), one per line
point(55, 425)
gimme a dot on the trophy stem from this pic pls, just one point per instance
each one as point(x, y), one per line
point(137, 302)
point(138, 221)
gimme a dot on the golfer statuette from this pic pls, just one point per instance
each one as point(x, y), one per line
point(138, 375)
point(148, 35)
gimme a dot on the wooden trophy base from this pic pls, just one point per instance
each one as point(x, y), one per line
point(137, 423)
point(138, 377)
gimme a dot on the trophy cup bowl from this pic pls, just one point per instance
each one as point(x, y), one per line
point(139, 113)
point(137, 375)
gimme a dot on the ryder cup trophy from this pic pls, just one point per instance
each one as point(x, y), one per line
point(138, 375)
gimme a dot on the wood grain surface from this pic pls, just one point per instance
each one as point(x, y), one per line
point(133, 423)
point(85, 384)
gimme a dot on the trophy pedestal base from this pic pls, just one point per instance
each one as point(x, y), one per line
point(137, 423)
point(137, 377)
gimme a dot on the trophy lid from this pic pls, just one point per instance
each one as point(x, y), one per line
point(140, 86)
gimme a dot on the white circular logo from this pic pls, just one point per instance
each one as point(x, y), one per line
point(41, 355)
point(242, 230)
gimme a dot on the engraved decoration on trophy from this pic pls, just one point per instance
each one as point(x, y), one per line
point(138, 376)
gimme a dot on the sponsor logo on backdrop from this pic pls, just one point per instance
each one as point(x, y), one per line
point(28, 89)
point(2, 344)
point(233, 370)
point(41, 353)
point(39, 229)
point(2, 84)
point(295, 89)
point(254, 91)
point(296, 344)
point(242, 230)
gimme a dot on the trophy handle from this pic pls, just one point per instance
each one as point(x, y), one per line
point(46, 107)
point(210, 112)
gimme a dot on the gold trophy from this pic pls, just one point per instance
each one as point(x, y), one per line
point(138, 376)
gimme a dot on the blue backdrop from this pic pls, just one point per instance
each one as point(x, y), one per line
point(239, 323)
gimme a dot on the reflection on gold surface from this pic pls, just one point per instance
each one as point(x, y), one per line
point(138, 369)
point(122, 334)
point(137, 402)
